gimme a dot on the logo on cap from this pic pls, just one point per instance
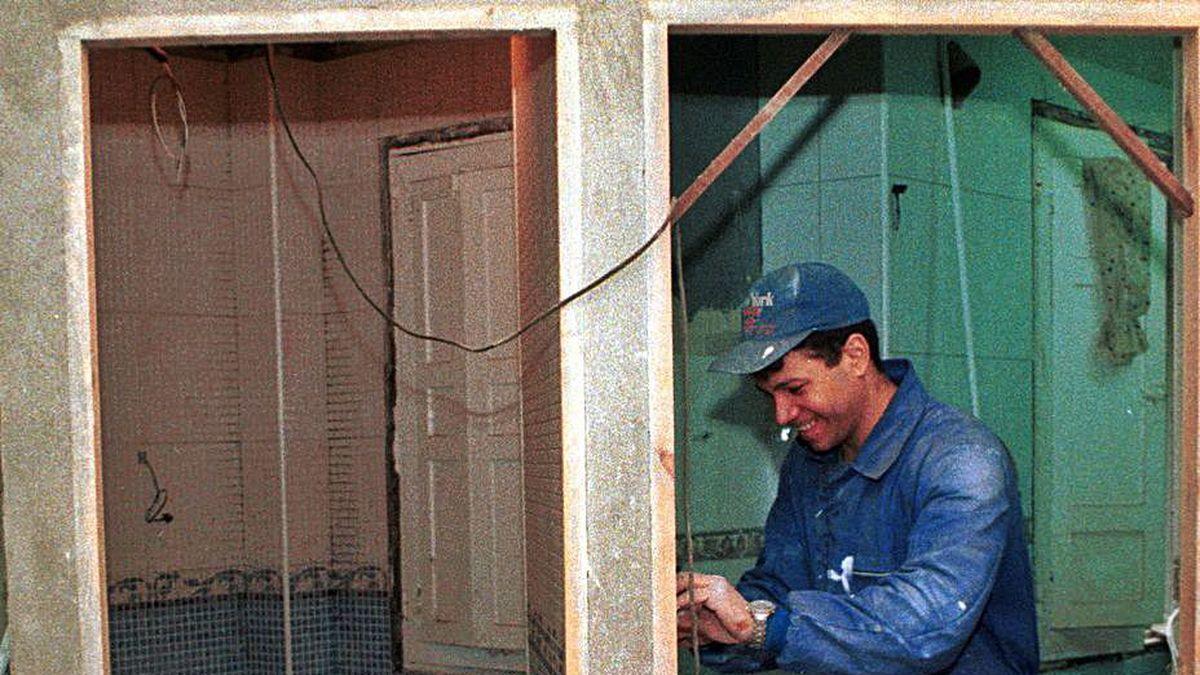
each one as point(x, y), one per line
point(787, 305)
point(765, 300)
point(752, 316)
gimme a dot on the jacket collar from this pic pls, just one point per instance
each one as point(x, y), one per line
point(890, 434)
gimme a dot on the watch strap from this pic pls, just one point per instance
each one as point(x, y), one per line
point(759, 638)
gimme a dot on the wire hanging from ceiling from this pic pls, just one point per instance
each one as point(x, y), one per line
point(684, 464)
point(280, 409)
point(679, 207)
point(180, 155)
point(960, 243)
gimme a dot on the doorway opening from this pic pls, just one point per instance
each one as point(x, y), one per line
point(455, 238)
point(289, 484)
point(855, 172)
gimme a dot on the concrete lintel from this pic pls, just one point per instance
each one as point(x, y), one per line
point(320, 24)
point(929, 16)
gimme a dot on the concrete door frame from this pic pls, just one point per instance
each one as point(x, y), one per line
point(613, 190)
point(87, 616)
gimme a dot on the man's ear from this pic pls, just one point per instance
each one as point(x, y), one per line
point(858, 352)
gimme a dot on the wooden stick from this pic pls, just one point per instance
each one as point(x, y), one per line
point(1109, 120)
point(768, 112)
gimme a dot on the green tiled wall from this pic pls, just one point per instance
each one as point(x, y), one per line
point(784, 208)
point(994, 136)
point(822, 159)
point(734, 456)
point(818, 188)
point(712, 96)
point(926, 310)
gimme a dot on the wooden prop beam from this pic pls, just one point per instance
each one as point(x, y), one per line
point(803, 74)
point(1109, 120)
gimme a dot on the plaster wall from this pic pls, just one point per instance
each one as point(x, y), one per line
point(50, 473)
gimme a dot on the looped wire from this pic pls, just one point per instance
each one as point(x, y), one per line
point(179, 156)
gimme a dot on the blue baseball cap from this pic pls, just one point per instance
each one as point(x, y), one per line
point(785, 307)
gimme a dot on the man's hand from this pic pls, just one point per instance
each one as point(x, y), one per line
point(720, 610)
point(709, 628)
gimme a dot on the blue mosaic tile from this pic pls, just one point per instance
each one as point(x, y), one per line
point(340, 623)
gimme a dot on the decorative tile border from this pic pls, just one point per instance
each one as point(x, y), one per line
point(722, 545)
point(168, 586)
point(333, 631)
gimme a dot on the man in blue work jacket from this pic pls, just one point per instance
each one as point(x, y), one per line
point(895, 543)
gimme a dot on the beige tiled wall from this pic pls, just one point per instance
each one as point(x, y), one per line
point(541, 404)
point(167, 304)
point(186, 305)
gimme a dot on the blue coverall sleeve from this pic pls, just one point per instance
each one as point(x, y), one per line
point(918, 618)
point(781, 561)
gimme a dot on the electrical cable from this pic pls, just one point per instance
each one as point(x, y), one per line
point(168, 75)
point(959, 236)
point(280, 417)
point(689, 196)
point(155, 513)
point(684, 482)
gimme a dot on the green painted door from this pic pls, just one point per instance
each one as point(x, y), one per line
point(1101, 394)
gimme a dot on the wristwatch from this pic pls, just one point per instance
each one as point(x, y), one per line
point(760, 611)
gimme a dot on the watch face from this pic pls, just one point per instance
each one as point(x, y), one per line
point(761, 608)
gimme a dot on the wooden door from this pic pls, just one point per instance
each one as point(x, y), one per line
point(1101, 398)
point(458, 440)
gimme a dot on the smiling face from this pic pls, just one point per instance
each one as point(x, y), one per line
point(828, 406)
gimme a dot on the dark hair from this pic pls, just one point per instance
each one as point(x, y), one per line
point(827, 345)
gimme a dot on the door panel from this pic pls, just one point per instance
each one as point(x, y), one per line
point(507, 514)
point(1100, 395)
point(462, 532)
point(449, 552)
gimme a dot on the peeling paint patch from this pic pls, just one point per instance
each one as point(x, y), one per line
point(666, 459)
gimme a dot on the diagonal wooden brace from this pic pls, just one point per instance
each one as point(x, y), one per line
point(803, 74)
point(1109, 120)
